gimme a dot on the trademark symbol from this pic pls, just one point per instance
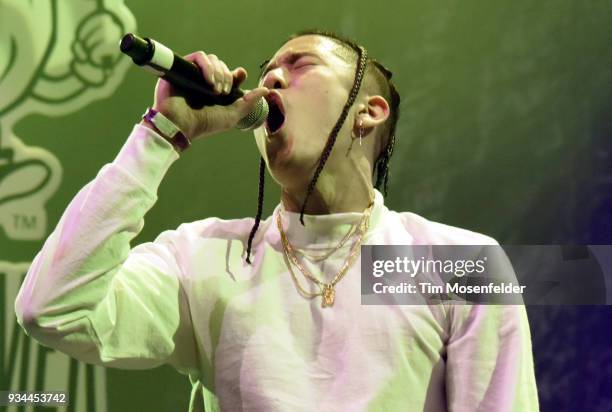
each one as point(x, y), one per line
point(24, 222)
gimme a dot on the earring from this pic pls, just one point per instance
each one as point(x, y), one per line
point(360, 131)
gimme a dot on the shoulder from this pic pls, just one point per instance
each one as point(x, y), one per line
point(425, 231)
point(207, 248)
point(214, 229)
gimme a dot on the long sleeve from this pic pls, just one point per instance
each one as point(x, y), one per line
point(489, 360)
point(89, 294)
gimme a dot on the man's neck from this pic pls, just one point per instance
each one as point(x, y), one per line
point(340, 199)
point(342, 187)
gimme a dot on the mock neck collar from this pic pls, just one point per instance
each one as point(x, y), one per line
point(319, 231)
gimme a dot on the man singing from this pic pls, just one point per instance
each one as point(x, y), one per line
point(266, 315)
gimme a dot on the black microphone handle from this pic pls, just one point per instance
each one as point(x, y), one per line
point(181, 73)
point(187, 76)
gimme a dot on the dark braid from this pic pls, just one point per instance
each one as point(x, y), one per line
point(382, 167)
point(260, 198)
point(382, 163)
point(359, 72)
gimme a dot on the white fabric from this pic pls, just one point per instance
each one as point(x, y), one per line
point(243, 334)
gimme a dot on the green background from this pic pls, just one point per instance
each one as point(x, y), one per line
point(505, 130)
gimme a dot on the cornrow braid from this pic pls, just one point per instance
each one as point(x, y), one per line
point(359, 73)
point(260, 199)
point(382, 162)
point(381, 165)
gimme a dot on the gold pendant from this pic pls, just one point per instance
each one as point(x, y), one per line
point(328, 295)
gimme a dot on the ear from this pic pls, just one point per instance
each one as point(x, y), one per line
point(372, 113)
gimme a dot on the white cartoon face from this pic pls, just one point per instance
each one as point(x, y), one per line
point(24, 27)
point(55, 58)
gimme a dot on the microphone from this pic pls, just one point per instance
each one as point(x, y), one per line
point(187, 77)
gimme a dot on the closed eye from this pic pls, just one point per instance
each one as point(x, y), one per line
point(303, 63)
point(293, 60)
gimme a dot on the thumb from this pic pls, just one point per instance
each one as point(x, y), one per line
point(239, 75)
point(247, 103)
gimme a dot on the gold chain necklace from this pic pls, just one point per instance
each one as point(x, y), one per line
point(327, 291)
point(318, 258)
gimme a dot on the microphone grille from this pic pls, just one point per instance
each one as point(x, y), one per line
point(256, 118)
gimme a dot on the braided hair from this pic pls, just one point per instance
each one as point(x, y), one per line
point(359, 71)
point(381, 165)
point(260, 198)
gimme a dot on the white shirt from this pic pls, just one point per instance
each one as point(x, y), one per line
point(242, 333)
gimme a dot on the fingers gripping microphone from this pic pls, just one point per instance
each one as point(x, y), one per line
point(186, 76)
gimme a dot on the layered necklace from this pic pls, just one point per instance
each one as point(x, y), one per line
point(326, 290)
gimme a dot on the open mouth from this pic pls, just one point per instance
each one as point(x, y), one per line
point(276, 116)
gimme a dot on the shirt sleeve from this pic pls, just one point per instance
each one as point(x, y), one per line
point(89, 294)
point(489, 360)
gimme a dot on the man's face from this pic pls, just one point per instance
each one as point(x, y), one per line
point(309, 86)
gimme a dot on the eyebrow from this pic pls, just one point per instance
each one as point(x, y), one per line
point(266, 66)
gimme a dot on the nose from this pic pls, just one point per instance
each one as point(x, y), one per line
point(275, 79)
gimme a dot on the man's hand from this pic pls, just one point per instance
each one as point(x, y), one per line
point(210, 119)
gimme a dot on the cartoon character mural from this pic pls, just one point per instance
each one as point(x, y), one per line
point(56, 56)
